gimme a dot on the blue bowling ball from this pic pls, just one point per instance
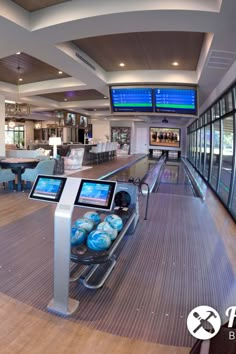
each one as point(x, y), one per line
point(83, 223)
point(93, 216)
point(78, 236)
point(105, 226)
point(115, 221)
point(98, 240)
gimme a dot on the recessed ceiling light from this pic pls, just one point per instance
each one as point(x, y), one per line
point(20, 79)
point(122, 64)
point(18, 53)
point(60, 72)
point(175, 63)
point(105, 97)
point(65, 99)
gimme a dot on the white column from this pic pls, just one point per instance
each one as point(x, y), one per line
point(2, 125)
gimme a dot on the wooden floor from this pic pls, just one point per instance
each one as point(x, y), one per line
point(26, 330)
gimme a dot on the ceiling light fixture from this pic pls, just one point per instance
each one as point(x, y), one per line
point(17, 109)
point(122, 64)
point(65, 99)
point(18, 53)
point(60, 72)
point(105, 97)
point(175, 63)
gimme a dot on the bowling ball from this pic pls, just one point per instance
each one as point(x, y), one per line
point(115, 221)
point(78, 236)
point(84, 223)
point(98, 240)
point(105, 226)
point(93, 216)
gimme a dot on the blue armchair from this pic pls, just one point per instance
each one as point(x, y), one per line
point(44, 167)
point(6, 175)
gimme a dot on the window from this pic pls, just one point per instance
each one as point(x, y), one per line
point(227, 159)
point(229, 101)
point(207, 151)
point(216, 154)
point(198, 161)
point(222, 106)
point(15, 135)
point(202, 152)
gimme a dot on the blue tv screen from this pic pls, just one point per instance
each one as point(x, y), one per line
point(131, 99)
point(95, 194)
point(175, 100)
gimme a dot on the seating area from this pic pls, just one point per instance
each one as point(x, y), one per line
point(6, 175)
point(40, 154)
point(103, 152)
point(44, 167)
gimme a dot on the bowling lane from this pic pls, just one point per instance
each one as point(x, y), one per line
point(174, 180)
point(138, 170)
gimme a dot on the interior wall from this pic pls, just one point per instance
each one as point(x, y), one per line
point(101, 128)
point(29, 133)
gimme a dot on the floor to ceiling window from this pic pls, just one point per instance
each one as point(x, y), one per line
point(216, 154)
point(207, 151)
point(227, 158)
point(212, 147)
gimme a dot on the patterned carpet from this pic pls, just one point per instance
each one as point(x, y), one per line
point(174, 262)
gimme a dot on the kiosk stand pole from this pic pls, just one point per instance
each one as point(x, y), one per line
point(61, 303)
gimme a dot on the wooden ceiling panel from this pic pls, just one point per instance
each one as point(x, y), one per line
point(34, 5)
point(144, 50)
point(80, 95)
point(30, 69)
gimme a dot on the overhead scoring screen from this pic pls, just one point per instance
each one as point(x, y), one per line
point(95, 194)
point(48, 188)
point(175, 100)
point(131, 99)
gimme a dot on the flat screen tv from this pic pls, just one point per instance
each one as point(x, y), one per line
point(131, 99)
point(165, 137)
point(95, 194)
point(175, 100)
point(48, 188)
point(70, 119)
point(83, 122)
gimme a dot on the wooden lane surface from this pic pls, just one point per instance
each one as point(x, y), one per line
point(25, 330)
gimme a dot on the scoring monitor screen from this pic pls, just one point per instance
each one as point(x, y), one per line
point(128, 99)
point(48, 188)
point(175, 100)
point(96, 194)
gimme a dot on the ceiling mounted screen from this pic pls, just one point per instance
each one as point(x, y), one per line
point(131, 99)
point(175, 100)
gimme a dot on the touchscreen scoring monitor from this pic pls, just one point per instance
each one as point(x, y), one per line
point(96, 194)
point(48, 188)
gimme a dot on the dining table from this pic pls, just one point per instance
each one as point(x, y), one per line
point(18, 166)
